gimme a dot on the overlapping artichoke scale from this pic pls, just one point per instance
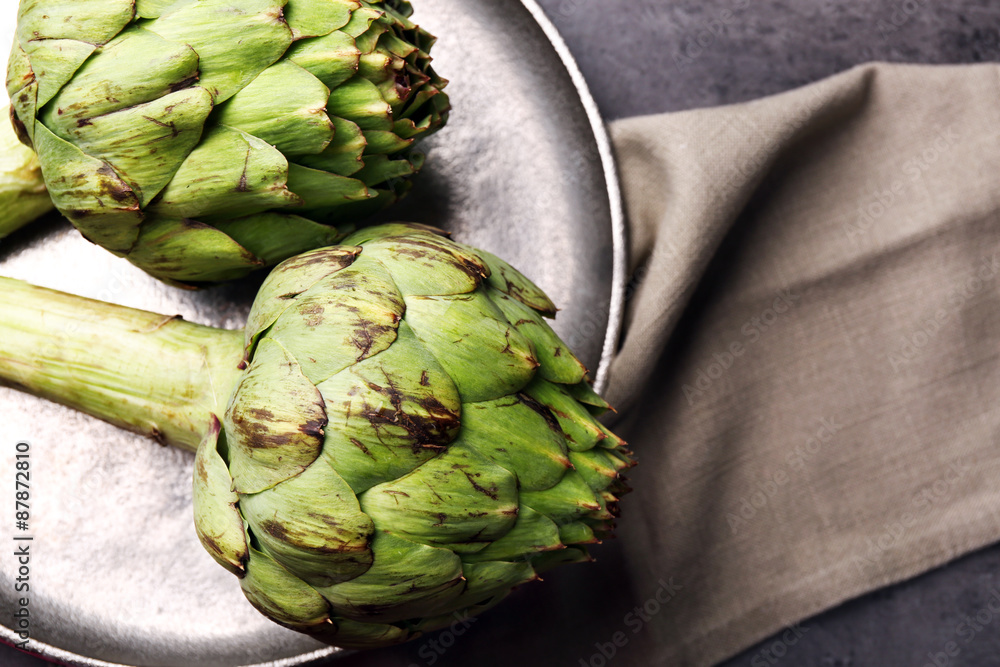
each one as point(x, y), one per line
point(274, 422)
point(88, 192)
point(425, 264)
point(178, 249)
point(468, 333)
point(350, 315)
point(290, 279)
point(508, 280)
point(581, 429)
point(232, 47)
point(217, 520)
point(98, 87)
point(558, 364)
point(285, 106)
point(312, 524)
point(271, 236)
point(486, 584)
point(459, 500)
point(408, 580)
point(389, 413)
point(520, 436)
point(308, 18)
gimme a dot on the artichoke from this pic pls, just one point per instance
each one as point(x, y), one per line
point(202, 139)
point(397, 436)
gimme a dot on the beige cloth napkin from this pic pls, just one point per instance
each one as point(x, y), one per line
point(809, 372)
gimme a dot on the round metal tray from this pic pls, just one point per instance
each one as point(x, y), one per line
point(524, 169)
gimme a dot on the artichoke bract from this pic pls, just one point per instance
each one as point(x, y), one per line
point(396, 437)
point(202, 139)
point(22, 191)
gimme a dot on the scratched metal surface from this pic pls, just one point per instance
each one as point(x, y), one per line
point(117, 574)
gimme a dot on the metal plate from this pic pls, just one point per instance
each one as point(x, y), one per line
point(117, 574)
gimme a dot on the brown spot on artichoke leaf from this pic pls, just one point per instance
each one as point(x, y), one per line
point(184, 83)
point(492, 493)
point(542, 410)
point(360, 445)
point(113, 185)
point(436, 494)
point(424, 432)
point(261, 413)
point(202, 470)
point(424, 380)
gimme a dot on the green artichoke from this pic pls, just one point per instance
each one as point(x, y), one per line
point(397, 436)
point(202, 139)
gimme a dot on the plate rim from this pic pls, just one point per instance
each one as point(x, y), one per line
point(616, 311)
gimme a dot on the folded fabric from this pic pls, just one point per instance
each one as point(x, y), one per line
point(809, 370)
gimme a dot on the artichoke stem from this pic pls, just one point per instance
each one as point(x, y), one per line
point(152, 374)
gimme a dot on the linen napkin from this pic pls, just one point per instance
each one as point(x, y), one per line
point(809, 369)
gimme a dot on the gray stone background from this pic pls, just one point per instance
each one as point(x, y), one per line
point(648, 56)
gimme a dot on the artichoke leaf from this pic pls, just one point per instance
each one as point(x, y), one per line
point(512, 282)
point(389, 413)
point(467, 333)
point(283, 597)
point(235, 41)
point(459, 500)
point(216, 518)
point(349, 316)
point(578, 425)
point(290, 279)
point(274, 422)
point(406, 581)
point(88, 192)
point(54, 62)
point(558, 362)
point(312, 525)
point(521, 436)
point(181, 251)
point(313, 18)
point(332, 58)
point(147, 143)
point(286, 107)
point(157, 67)
point(93, 21)
point(533, 533)
point(569, 500)
point(426, 264)
point(229, 174)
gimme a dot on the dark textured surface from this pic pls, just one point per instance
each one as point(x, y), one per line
point(643, 56)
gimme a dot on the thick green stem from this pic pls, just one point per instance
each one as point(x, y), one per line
point(152, 374)
point(23, 196)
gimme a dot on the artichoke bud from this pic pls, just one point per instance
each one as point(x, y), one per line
point(203, 139)
point(404, 444)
